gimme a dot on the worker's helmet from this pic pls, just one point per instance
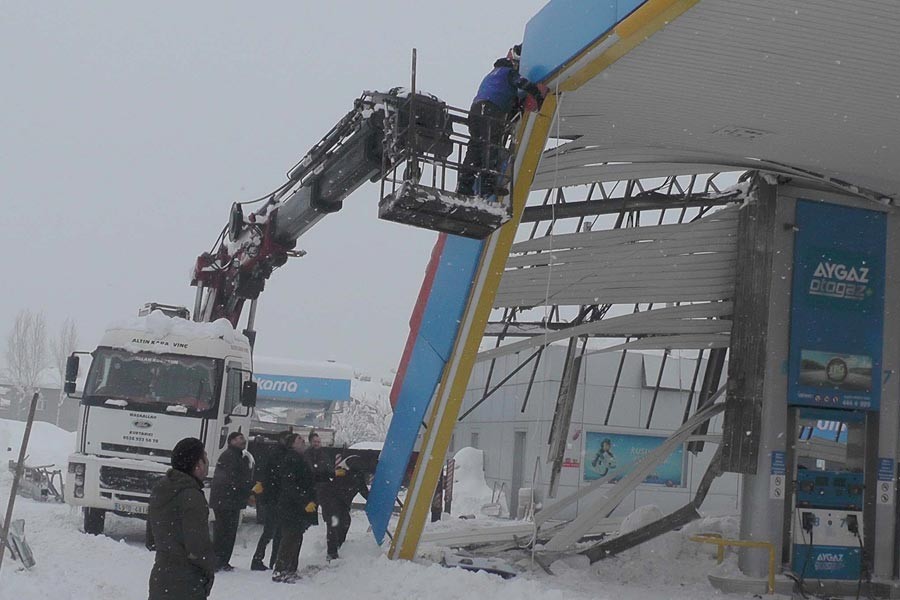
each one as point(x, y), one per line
point(515, 54)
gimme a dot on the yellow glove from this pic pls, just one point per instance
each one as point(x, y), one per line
point(311, 507)
point(340, 472)
point(258, 488)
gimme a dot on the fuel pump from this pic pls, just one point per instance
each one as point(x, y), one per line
point(828, 501)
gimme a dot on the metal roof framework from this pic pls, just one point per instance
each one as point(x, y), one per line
point(804, 89)
point(808, 89)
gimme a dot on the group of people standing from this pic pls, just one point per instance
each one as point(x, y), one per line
point(289, 489)
point(298, 478)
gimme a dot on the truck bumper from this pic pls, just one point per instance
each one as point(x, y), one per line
point(114, 484)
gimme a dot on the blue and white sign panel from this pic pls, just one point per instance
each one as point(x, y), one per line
point(564, 28)
point(617, 453)
point(886, 481)
point(777, 475)
point(837, 307)
point(287, 387)
point(779, 465)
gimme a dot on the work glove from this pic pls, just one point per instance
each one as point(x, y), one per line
point(258, 488)
point(340, 472)
point(311, 507)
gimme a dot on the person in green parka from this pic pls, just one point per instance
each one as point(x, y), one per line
point(179, 520)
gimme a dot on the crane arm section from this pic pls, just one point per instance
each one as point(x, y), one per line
point(382, 134)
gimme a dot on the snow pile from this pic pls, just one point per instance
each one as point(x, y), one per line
point(667, 545)
point(451, 200)
point(470, 492)
point(668, 560)
point(74, 566)
point(158, 325)
point(48, 445)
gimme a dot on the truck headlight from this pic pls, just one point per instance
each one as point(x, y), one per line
point(79, 491)
point(79, 480)
point(79, 469)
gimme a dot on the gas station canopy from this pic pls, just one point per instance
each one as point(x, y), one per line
point(807, 88)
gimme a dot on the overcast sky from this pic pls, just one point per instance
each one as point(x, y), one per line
point(128, 129)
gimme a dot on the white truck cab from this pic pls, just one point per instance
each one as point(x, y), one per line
point(152, 381)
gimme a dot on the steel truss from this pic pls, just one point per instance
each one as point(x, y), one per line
point(608, 205)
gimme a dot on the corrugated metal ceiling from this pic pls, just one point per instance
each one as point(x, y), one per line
point(811, 84)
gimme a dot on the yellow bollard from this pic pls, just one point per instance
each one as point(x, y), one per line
point(720, 542)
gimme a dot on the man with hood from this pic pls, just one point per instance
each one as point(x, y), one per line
point(497, 99)
point(179, 519)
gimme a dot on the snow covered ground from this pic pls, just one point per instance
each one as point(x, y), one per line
point(72, 565)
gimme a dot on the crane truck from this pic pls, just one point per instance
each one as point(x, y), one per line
point(168, 374)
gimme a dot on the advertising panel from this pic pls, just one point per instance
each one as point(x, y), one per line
point(617, 453)
point(287, 387)
point(837, 307)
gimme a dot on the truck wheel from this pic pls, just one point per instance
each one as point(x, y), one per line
point(94, 519)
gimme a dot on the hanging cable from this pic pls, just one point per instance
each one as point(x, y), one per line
point(271, 194)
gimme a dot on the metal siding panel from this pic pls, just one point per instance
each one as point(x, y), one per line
point(822, 77)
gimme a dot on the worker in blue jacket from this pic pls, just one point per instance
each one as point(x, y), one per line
point(499, 98)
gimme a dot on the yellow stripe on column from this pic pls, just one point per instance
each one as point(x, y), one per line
point(447, 402)
point(649, 18)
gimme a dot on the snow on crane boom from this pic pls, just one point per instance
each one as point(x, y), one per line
point(399, 138)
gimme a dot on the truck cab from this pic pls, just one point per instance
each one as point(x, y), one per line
point(152, 381)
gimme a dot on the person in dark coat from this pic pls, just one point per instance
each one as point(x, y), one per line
point(179, 519)
point(317, 460)
point(270, 482)
point(230, 489)
point(497, 99)
point(297, 509)
point(336, 499)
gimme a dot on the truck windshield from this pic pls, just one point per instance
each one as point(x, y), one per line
point(168, 382)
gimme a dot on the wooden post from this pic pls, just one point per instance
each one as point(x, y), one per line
point(20, 467)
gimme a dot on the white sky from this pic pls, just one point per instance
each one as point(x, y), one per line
point(128, 129)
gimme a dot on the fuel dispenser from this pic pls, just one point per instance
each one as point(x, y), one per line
point(828, 503)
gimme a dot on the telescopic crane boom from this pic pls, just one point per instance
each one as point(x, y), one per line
point(408, 141)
